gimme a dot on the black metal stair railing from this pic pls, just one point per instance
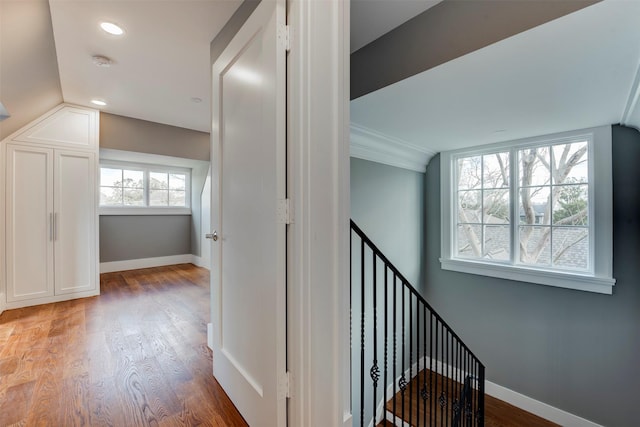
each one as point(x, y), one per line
point(408, 365)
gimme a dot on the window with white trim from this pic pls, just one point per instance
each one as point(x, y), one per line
point(126, 186)
point(535, 210)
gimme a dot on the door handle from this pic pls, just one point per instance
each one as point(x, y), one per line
point(213, 236)
point(55, 226)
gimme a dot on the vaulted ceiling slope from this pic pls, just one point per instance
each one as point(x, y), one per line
point(29, 80)
point(371, 19)
point(578, 71)
point(160, 65)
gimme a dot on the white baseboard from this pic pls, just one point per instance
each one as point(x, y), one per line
point(2, 302)
point(210, 335)
point(536, 407)
point(134, 264)
point(199, 261)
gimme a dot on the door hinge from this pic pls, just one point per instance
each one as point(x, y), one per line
point(284, 35)
point(284, 386)
point(285, 211)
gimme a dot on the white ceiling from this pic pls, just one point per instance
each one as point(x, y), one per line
point(370, 19)
point(160, 63)
point(578, 71)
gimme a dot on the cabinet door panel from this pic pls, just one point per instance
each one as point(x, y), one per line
point(29, 220)
point(75, 222)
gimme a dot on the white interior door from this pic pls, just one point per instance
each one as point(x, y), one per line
point(248, 180)
point(29, 222)
point(74, 221)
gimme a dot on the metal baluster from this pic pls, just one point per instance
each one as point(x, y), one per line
point(403, 380)
point(362, 309)
point(395, 341)
point(375, 371)
point(386, 335)
point(424, 370)
point(410, 355)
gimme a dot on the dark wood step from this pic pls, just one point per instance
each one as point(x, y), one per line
point(410, 407)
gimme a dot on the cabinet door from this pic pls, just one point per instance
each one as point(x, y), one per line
point(75, 221)
point(29, 244)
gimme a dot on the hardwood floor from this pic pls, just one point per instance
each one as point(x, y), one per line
point(134, 356)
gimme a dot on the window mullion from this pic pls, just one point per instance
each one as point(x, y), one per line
point(515, 206)
point(146, 187)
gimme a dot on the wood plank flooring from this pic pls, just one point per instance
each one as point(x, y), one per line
point(497, 413)
point(134, 356)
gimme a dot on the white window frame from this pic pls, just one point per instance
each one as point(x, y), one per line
point(146, 209)
point(600, 277)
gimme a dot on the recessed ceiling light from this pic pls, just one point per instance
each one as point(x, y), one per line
point(112, 28)
point(196, 100)
point(99, 102)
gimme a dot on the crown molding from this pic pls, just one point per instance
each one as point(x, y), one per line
point(368, 144)
point(631, 114)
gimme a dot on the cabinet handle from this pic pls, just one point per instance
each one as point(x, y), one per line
point(50, 226)
point(55, 226)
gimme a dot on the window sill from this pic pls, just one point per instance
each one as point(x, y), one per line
point(601, 285)
point(104, 211)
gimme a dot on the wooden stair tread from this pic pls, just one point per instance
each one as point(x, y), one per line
point(497, 412)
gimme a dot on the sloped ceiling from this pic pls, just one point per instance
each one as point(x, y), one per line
point(578, 71)
point(371, 19)
point(159, 65)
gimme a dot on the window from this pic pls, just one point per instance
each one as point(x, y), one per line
point(535, 210)
point(127, 187)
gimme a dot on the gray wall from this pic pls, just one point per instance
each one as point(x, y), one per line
point(387, 204)
point(444, 32)
point(29, 79)
point(574, 350)
point(128, 134)
point(124, 237)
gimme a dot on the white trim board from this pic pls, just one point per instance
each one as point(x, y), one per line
point(536, 407)
point(134, 264)
point(368, 144)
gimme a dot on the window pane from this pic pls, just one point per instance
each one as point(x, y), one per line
point(496, 170)
point(570, 163)
point(496, 207)
point(535, 245)
point(534, 202)
point(177, 181)
point(133, 179)
point(534, 166)
point(110, 196)
point(133, 197)
point(470, 172)
point(571, 247)
point(158, 198)
point(176, 198)
point(571, 205)
point(469, 240)
point(497, 244)
point(110, 177)
point(470, 206)
point(158, 181)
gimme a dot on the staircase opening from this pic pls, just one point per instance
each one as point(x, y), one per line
point(408, 366)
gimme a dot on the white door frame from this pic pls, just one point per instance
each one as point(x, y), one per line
point(318, 240)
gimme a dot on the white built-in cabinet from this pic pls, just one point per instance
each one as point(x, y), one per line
point(50, 192)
